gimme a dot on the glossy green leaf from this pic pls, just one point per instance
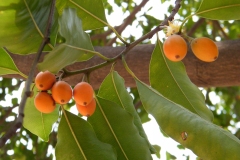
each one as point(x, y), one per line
point(23, 24)
point(91, 12)
point(36, 122)
point(205, 139)
point(222, 10)
point(171, 80)
point(78, 46)
point(77, 141)
point(113, 89)
point(7, 65)
point(115, 126)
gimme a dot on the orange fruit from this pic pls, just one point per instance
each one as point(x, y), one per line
point(204, 49)
point(44, 80)
point(61, 92)
point(44, 102)
point(83, 93)
point(175, 48)
point(87, 110)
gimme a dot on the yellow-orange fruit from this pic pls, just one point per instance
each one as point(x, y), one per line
point(87, 110)
point(44, 80)
point(44, 102)
point(175, 48)
point(61, 92)
point(204, 49)
point(83, 93)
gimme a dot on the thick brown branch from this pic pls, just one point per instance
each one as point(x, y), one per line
point(225, 71)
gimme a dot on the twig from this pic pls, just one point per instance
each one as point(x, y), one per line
point(7, 113)
point(127, 21)
point(121, 27)
point(19, 121)
point(195, 26)
point(130, 46)
point(216, 23)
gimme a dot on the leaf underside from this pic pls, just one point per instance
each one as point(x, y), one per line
point(205, 139)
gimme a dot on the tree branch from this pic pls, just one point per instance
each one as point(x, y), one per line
point(195, 26)
point(127, 21)
point(216, 23)
point(223, 72)
point(27, 89)
point(121, 27)
point(128, 47)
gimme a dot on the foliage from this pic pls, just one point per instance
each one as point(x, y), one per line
point(115, 130)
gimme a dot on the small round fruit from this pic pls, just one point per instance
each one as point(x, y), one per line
point(204, 49)
point(87, 110)
point(83, 93)
point(44, 102)
point(44, 80)
point(61, 92)
point(175, 48)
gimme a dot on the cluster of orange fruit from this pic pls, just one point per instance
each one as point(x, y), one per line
point(52, 92)
point(175, 48)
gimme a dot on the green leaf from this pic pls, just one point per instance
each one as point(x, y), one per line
point(91, 12)
point(158, 149)
point(170, 156)
point(7, 65)
point(78, 46)
point(113, 89)
point(77, 141)
point(222, 10)
point(204, 138)
point(36, 122)
point(23, 24)
point(171, 80)
point(115, 126)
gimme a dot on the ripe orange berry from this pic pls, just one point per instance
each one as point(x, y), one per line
point(44, 102)
point(44, 80)
point(83, 93)
point(61, 92)
point(204, 49)
point(175, 48)
point(87, 110)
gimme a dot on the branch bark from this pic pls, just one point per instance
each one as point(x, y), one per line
point(225, 71)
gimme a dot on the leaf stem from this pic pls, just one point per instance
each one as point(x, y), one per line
point(118, 35)
point(127, 68)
